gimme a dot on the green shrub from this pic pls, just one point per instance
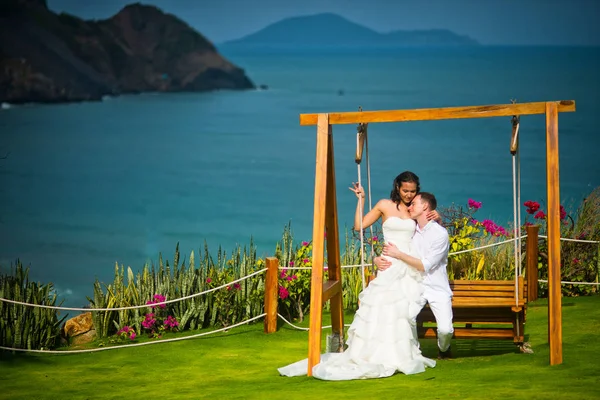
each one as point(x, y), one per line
point(26, 327)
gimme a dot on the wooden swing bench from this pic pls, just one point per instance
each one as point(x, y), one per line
point(483, 309)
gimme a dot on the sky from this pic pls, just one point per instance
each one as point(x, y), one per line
point(491, 22)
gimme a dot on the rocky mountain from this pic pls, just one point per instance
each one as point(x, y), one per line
point(333, 31)
point(49, 57)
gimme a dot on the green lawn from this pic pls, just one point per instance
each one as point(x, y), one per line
point(241, 364)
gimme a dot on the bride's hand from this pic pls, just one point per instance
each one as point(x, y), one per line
point(434, 216)
point(390, 249)
point(358, 190)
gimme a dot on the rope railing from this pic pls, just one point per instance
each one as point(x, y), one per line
point(572, 283)
point(134, 307)
point(134, 344)
point(279, 267)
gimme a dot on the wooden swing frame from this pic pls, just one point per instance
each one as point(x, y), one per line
point(326, 226)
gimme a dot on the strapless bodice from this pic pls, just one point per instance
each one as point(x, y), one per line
point(399, 231)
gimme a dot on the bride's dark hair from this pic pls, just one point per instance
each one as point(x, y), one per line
point(406, 176)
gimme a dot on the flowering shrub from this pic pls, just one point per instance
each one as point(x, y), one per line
point(578, 261)
point(465, 232)
point(228, 304)
point(126, 332)
point(157, 322)
point(294, 284)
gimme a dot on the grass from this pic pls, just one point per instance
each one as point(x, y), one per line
point(242, 364)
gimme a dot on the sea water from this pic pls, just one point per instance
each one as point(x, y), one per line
point(90, 184)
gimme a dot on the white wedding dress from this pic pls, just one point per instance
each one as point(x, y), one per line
point(382, 338)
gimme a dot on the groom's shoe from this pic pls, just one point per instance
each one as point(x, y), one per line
point(445, 355)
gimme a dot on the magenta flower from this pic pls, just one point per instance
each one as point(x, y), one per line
point(306, 261)
point(149, 321)
point(208, 280)
point(476, 205)
point(283, 292)
point(539, 215)
point(159, 298)
point(171, 322)
point(237, 286)
point(532, 206)
point(132, 336)
point(493, 229)
point(305, 244)
point(563, 213)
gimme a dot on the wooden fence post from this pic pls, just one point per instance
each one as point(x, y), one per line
point(271, 286)
point(532, 262)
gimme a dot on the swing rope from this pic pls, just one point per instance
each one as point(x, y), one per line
point(361, 135)
point(516, 178)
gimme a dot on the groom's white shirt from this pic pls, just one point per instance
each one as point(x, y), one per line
point(433, 241)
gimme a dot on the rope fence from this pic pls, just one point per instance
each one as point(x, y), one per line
point(284, 268)
point(272, 268)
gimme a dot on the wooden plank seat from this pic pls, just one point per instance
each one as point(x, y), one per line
point(482, 309)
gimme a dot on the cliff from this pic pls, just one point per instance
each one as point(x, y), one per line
point(45, 57)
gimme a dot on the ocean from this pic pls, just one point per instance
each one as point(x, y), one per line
point(90, 184)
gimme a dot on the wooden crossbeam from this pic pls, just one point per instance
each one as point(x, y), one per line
point(430, 114)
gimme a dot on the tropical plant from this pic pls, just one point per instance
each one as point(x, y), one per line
point(27, 327)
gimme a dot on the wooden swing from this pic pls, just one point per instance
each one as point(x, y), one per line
point(326, 226)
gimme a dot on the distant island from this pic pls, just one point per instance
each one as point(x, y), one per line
point(331, 31)
point(48, 57)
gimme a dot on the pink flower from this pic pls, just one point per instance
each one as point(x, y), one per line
point(476, 205)
point(171, 322)
point(149, 321)
point(294, 277)
point(539, 215)
point(492, 228)
point(289, 278)
point(132, 336)
point(532, 206)
point(291, 264)
point(208, 280)
point(375, 239)
point(306, 261)
point(159, 298)
point(305, 244)
point(283, 292)
point(237, 286)
point(563, 213)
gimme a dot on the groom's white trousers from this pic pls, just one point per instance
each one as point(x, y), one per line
point(441, 306)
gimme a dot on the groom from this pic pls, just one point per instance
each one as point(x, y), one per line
point(431, 244)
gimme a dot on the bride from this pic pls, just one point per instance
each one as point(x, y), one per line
point(382, 338)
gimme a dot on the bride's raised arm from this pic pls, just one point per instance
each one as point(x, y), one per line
point(372, 216)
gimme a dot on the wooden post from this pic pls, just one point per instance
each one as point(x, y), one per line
point(318, 252)
point(334, 273)
point(271, 287)
point(532, 262)
point(553, 220)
